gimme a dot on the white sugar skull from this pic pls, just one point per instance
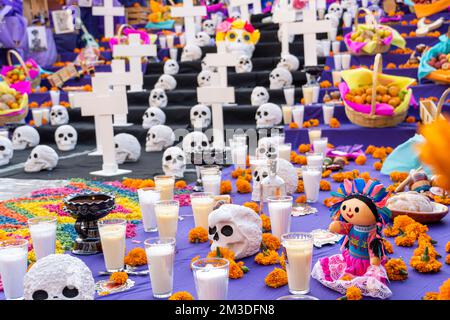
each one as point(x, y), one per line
point(239, 42)
point(259, 173)
point(206, 67)
point(66, 137)
point(200, 116)
point(171, 67)
point(191, 52)
point(41, 158)
point(289, 62)
point(127, 148)
point(166, 82)
point(202, 39)
point(244, 65)
point(279, 78)
point(268, 115)
point(152, 117)
point(157, 98)
point(174, 162)
point(6, 151)
point(209, 26)
point(25, 137)
point(59, 116)
point(280, 35)
point(333, 19)
point(59, 277)
point(195, 141)
point(159, 137)
point(237, 228)
point(205, 78)
point(336, 9)
point(260, 95)
point(267, 148)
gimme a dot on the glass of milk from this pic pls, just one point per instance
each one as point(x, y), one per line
point(298, 113)
point(314, 134)
point(13, 266)
point(308, 94)
point(298, 248)
point(337, 62)
point(37, 116)
point(287, 114)
point(211, 278)
point(112, 236)
point(160, 256)
point(280, 208)
point(314, 160)
point(336, 46)
point(238, 154)
point(173, 52)
point(147, 199)
point(178, 28)
point(162, 41)
point(55, 96)
point(202, 205)
point(284, 151)
point(320, 145)
point(211, 180)
point(311, 181)
point(289, 95)
point(167, 217)
point(345, 61)
point(328, 112)
point(165, 184)
point(43, 234)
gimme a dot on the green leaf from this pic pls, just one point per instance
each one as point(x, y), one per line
point(218, 253)
point(425, 256)
point(245, 269)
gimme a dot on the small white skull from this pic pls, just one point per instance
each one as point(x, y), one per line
point(159, 137)
point(202, 39)
point(41, 158)
point(166, 82)
point(235, 15)
point(244, 65)
point(171, 67)
point(209, 26)
point(59, 116)
point(174, 162)
point(336, 9)
point(195, 141)
point(152, 117)
point(204, 78)
point(6, 151)
point(25, 137)
point(191, 52)
point(237, 228)
point(157, 98)
point(333, 19)
point(260, 95)
point(267, 148)
point(289, 62)
point(66, 137)
point(268, 115)
point(259, 173)
point(280, 35)
point(200, 116)
point(279, 78)
point(206, 67)
point(127, 148)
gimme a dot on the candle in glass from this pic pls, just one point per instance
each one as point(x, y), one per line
point(314, 160)
point(284, 151)
point(287, 114)
point(13, 267)
point(316, 92)
point(314, 134)
point(170, 40)
point(147, 199)
point(328, 112)
point(326, 46)
point(162, 41)
point(289, 95)
point(311, 181)
point(320, 145)
point(337, 62)
point(336, 46)
point(280, 208)
point(211, 278)
point(337, 77)
point(202, 205)
point(178, 28)
point(166, 212)
point(165, 185)
point(37, 116)
point(211, 181)
point(307, 94)
point(55, 96)
point(345, 61)
point(298, 113)
point(43, 234)
point(112, 236)
point(239, 154)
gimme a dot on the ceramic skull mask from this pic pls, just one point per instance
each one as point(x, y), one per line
point(59, 116)
point(268, 115)
point(238, 41)
point(6, 151)
point(174, 162)
point(191, 52)
point(59, 277)
point(166, 82)
point(200, 116)
point(289, 62)
point(237, 228)
point(157, 98)
point(159, 137)
point(259, 96)
point(152, 117)
point(41, 158)
point(25, 137)
point(244, 64)
point(171, 67)
point(66, 137)
point(127, 148)
point(202, 39)
point(195, 142)
point(279, 78)
point(205, 78)
point(209, 26)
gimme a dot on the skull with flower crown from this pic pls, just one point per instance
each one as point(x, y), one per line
point(240, 36)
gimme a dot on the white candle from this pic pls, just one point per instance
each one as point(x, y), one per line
point(147, 199)
point(298, 114)
point(328, 112)
point(239, 155)
point(332, 34)
point(160, 264)
point(337, 78)
point(308, 94)
point(182, 39)
point(167, 218)
point(170, 40)
point(37, 116)
point(162, 41)
point(326, 46)
point(314, 134)
point(320, 145)
point(165, 184)
point(337, 62)
point(112, 237)
point(45, 114)
point(178, 28)
point(284, 151)
point(212, 283)
point(348, 19)
point(173, 53)
point(211, 182)
point(202, 206)
point(55, 96)
point(289, 95)
point(287, 114)
point(316, 92)
point(345, 61)
point(314, 160)
point(336, 46)
point(13, 266)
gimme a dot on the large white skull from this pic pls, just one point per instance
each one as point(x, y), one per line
point(241, 44)
point(333, 19)
point(279, 78)
point(259, 96)
point(6, 151)
point(209, 26)
point(289, 62)
point(237, 228)
point(152, 117)
point(244, 65)
point(205, 78)
point(66, 137)
point(166, 82)
point(202, 39)
point(59, 116)
point(159, 137)
point(195, 141)
point(174, 162)
point(206, 67)
point(25, 137)
point(41, 158)
point(336, 9)
point(59, 277)
point(200, 116)
point(280, 35)
point(157, 98)
point(171, 67)
point(127, 148)
point(268, 115)
point(191, 52)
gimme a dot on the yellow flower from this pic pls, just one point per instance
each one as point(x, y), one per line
point(119, 278)
point(444, 291)
point(270, 241)
point(396, 270)
point(353, 293)
point(181, 295)
point(276, 278)
point(198, 235)
point(238, 24)
point(267, 257)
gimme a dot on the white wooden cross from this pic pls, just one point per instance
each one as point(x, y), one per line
point(188, 11)
point(108, 11)
point(243, 6)
point(283, 15)
point(309, 27)
point(134, 51)
point(219, 93)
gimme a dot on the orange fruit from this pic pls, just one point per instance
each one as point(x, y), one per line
point(393, 91)
point(358, 99)
point(386, 98)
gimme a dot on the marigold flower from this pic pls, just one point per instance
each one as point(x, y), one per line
point(334, 123)
point(430, 296)
point(293, 125)
point(270, 241)
point(265, 223)
point(301, 199)
point(328, 202)
point(180, 184)
point(398, 176)
point(346, 277)
point(360, 160)
point(388, 246)
point(136, 257)
point(236, 270)
point(444, 291)
point(198, 235)
point(377, 166)
point(447, 259)
point(236, 173)
point(410, 119)
point(300, 186)
point(225, 187)
point(338, 177)
point(426, 249)
point(447, 247)
point(353, 293)
point(415, 229)
point(326, 173)
point(325, 185)
point(267, 257)
point(370, 149)
point(325, 84)
point(396, 270)
point(282, 261)
point(181, 295)
point(300, 160)
point(252, 205)
point(379, 153)
point(391, 66)
point(402, 221)
point(405, 240)
point(221, 253)
point(243, 186)
point(303, 148)
point(119, 278)
point(276, 278)
point(425, 263)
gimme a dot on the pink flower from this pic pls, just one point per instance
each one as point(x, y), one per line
point(131, 230)
point(248, 27)
point(224, 26)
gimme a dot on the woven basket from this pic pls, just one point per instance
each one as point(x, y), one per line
point(429, 111)
point(14, 116)
point(36, 82)
point(371, 120)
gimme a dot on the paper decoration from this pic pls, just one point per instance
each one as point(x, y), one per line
point(63, 21)
point(37, 39)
